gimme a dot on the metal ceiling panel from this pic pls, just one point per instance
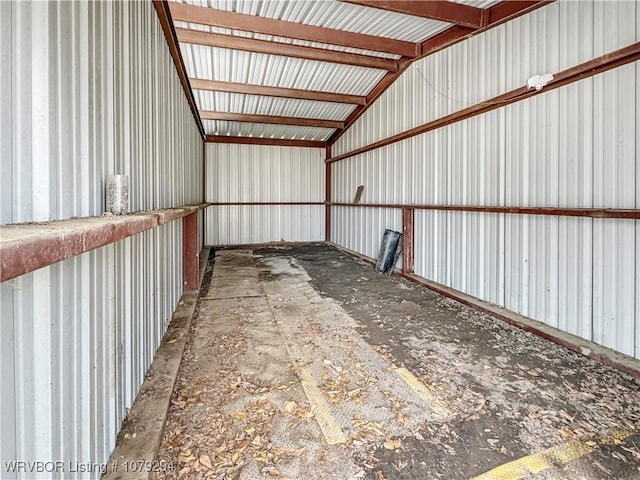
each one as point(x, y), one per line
point(260, 130)
point(260, 69)
point(336, 15)
point(261, 105)
point(477, 3)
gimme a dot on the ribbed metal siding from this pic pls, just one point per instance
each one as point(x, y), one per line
point(87, 89)
point(361, 229)
point(75, 351)
point(572, 147)
point(255, 173)
point(548, 40)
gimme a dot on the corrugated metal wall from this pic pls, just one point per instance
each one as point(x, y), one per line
point(87, 89)
point(257, 173)
point(550, 39)
point(577, 146)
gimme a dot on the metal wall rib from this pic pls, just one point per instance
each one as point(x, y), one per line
point(87, 89)
point(256, 173)
point(576, 146)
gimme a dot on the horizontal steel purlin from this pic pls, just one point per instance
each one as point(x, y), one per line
point(633, 214)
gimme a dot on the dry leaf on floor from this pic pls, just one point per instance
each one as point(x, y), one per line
point(299, 451)
point(565, 434)
point(289, 407)
point(619, 456)
point(392, 444)
point(241, 415)
point(206, 461)
point(186, 456)
point(380, 476)
point(271, 471)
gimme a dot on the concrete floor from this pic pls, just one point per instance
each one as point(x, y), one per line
point(303, 363)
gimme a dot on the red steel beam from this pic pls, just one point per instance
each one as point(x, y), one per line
point(251, 204)
point(443, 11)
point(280, 28)
point(280, 142)
point(509, 9)
point(248, 89)
point(552, 211)
point(327, 197)
point(272, 119)
point(204, 171)
point(408, 231)
point(162, 11)
point(191, 255)
point(27, 247)
point(284, 49)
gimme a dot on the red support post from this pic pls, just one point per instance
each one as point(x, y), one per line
point(408, 230)
point(327, 198)
point(190, 259)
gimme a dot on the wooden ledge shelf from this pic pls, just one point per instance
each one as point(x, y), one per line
point(26, 247)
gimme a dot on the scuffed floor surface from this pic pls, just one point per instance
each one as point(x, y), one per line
point(303, 363)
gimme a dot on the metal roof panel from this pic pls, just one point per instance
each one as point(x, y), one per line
point(336, 15)
point(261, 105)
point(264, 130)
point(271, 70)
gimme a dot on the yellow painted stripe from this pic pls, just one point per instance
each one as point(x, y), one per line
point(436, 405)
point(545, 459)
point(320, 407)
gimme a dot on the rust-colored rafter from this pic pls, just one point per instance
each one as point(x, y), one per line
point(275, 120)
point(549, 211)
point(280, 142)
point(162, 11)
point(280, 28)
point(248, 89)
point(496, 15)
point(284, 49)
point(450, 12)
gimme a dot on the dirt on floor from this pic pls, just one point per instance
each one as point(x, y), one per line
point(304, 363)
